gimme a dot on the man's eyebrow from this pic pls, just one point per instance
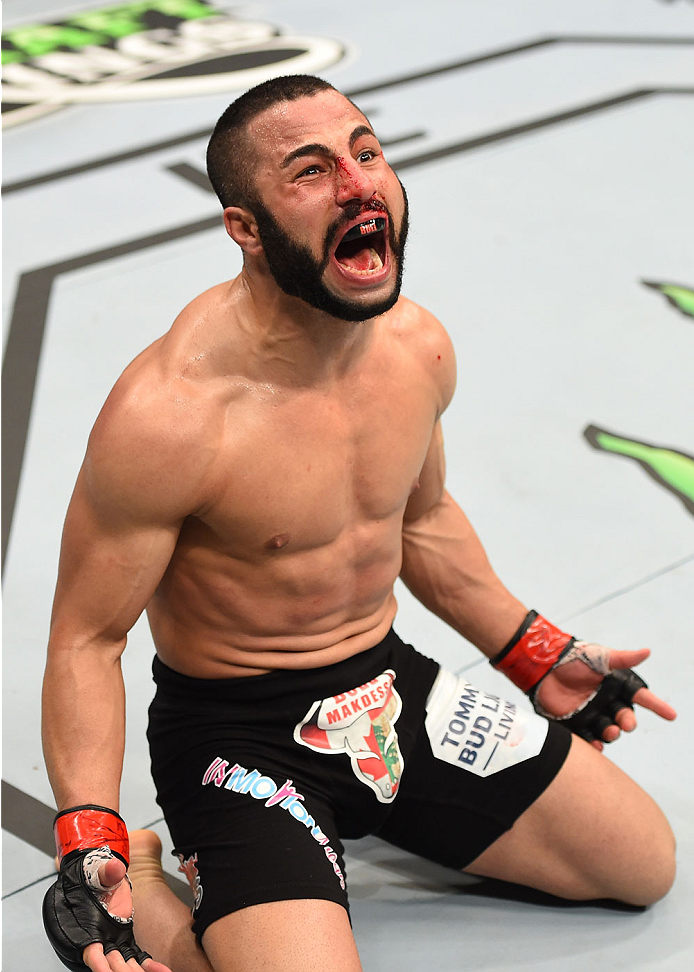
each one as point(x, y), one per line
point(317, 148)
point(358, 132)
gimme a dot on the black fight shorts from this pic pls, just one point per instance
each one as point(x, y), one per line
point(260, 778)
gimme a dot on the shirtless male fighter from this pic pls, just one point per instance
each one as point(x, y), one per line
point(257, 480)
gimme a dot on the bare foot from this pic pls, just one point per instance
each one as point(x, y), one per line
point(145, 858)
point(163, 924)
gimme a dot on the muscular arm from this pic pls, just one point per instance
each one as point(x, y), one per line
point(109, 568)
point(445, 566)
point(108, 571)
point(120, 532)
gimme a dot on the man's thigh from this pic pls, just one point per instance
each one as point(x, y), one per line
point(477, 764)
point(295, 936)
point(593, 833)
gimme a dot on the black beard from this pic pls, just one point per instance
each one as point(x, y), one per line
point(299, 274)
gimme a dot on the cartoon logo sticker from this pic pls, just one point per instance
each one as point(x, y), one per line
point(360, 723)
point(189, 867)
point(147, 49)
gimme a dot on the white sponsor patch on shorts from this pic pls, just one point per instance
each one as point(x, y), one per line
point(478, 731)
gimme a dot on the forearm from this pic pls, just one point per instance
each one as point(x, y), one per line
point(84, 725)
point(446, 568)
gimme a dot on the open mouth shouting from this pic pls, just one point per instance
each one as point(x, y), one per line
point(362, 253)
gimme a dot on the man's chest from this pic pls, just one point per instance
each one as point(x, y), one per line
point(310, 466)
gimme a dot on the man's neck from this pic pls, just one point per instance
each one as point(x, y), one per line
point(292, 342)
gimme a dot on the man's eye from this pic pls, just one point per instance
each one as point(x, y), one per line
point(366, 155)
point(310, 170)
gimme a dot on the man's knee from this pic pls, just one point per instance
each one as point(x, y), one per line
point(639, 872)
point(622, 842)
point(655, 865)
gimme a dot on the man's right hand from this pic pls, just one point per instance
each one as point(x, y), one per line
point(88, 912)
point(120, 902)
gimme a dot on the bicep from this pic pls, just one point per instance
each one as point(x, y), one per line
point(112, 559)
point(432, 479)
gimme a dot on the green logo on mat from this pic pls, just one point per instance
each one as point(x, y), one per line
point(671, 468)
point(147, 49)
point(680, 297)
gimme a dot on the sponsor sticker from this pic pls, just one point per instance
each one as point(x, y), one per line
point(360, 723)
point(478, 731)
point(222, 773)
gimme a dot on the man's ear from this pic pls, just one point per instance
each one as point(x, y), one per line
point(241, 226)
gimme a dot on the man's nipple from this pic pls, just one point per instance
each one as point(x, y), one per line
point(279, 540)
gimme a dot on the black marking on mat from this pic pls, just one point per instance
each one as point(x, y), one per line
point(24, 887)
point(30, 820)
point(191, 174)
point(518, 49)
point(230, 62)
point(399, 139)
point(24, 343)
point(137, 153)
point(532, 126)
point(385, 85)
point(621, 591)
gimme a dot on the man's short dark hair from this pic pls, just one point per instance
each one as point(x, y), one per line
point(230, 158)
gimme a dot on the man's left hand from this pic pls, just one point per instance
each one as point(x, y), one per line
point(567, 689)
point(588, 687)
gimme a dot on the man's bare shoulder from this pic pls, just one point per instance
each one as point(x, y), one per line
point(156, 435)
point(426, 339)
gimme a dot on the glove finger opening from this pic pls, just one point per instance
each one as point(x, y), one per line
point(585, 733)
point(134, 952)
point(631, 683)
point(617, 706)
point(599, 723)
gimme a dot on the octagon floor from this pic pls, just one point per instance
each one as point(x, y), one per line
point(545, 148)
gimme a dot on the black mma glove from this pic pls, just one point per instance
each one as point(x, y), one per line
point(538, 647)
point(75, 911)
